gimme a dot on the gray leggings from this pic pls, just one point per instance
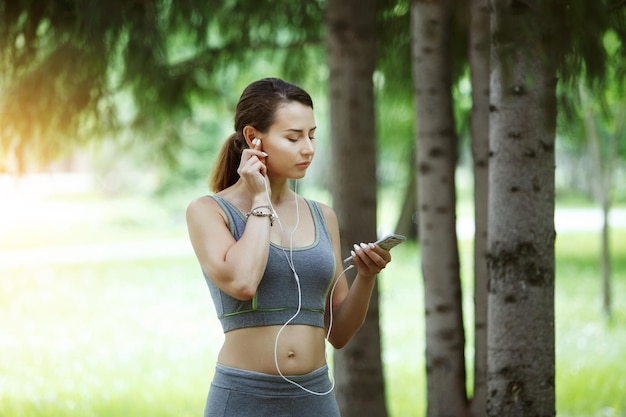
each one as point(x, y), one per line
point(241, 393)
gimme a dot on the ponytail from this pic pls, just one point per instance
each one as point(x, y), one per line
point(224, 172)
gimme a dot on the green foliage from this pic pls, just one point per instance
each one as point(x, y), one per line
point(393, 43)
point(65, 63)
point(590, 42)
point(591, 121)
point(74, 71)
point(393, 34)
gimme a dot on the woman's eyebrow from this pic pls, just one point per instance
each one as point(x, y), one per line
point(298, 130)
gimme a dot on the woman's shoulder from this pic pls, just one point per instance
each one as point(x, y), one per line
point(329, 213)
point(203, 200)
point(211, 200)
point(325, 207)
point(202, 204)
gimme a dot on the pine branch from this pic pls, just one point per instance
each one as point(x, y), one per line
point(208, 55)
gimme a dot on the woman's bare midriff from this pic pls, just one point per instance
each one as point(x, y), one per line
point(300, 349)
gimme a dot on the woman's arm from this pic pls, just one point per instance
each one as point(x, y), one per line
point(350, 303)
point(235, 266)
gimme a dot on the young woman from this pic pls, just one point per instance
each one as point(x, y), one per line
point(273, 265)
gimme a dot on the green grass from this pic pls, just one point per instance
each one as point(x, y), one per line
point(121, 339)
point(591, 372)
point(140, 338)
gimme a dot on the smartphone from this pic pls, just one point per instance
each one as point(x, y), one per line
point(386, 243)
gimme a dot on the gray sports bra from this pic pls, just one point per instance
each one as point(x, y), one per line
point(276, 299)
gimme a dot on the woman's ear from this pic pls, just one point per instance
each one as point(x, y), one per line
point(249, 134)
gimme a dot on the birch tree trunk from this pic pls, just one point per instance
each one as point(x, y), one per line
point(436, 163)
point(351, 58)
point(479, 37)
point(521, 213)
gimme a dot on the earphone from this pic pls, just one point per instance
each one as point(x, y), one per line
point(297, 279)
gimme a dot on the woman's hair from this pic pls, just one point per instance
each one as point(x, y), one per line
point(257, 108)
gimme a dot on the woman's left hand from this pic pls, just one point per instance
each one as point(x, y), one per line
point(370, 258)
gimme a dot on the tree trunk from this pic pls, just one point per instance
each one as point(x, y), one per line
point(351, 48)
point(521, 213)
point(603, 164)
point(605, 261)
point(407, 221)
point(436, 164)
point(479, 35)
point(600, 194)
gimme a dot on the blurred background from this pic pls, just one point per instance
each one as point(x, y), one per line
point(103, 308)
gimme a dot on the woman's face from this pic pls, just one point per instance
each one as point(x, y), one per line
point(290, 141)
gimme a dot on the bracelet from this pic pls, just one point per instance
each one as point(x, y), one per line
point(258, 213)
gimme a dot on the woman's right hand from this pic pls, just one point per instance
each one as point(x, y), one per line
point(252, 168)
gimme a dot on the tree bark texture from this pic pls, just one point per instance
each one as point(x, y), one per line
point(479, 44)
point(351, 58)
point(521, 213)
point(436, 163)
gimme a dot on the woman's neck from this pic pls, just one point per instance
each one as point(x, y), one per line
point(279, 191)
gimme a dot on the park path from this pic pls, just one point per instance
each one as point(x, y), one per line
point(565, 220)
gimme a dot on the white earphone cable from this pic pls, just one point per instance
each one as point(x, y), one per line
point(297, 279)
